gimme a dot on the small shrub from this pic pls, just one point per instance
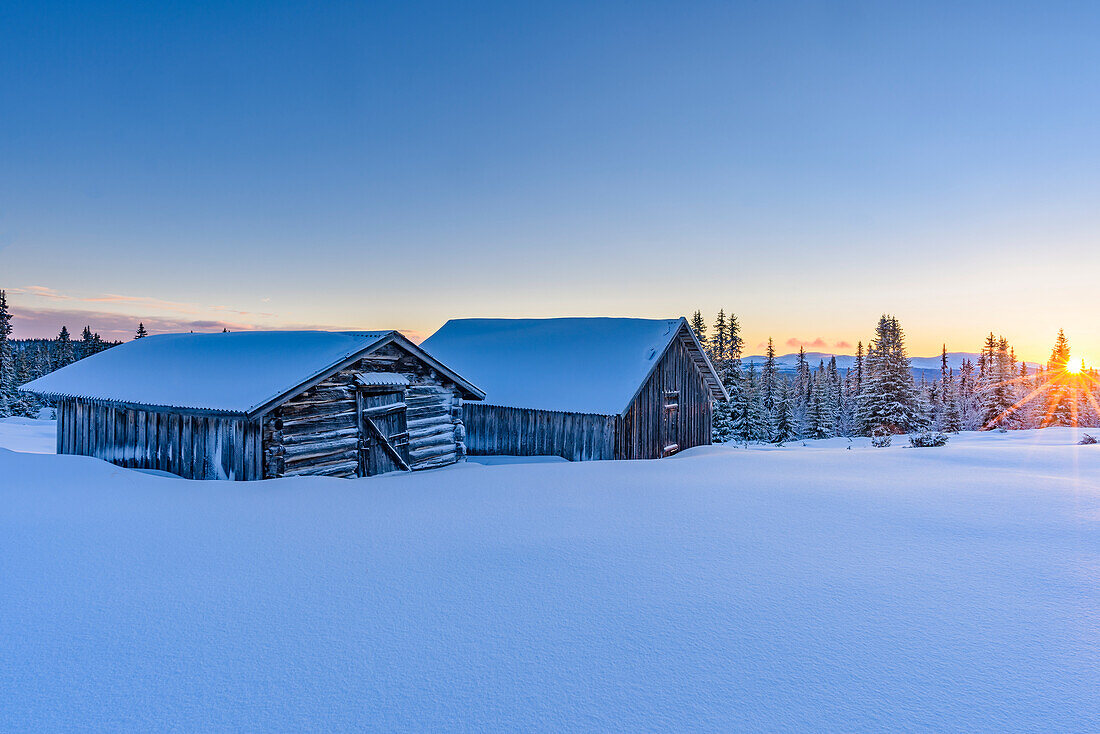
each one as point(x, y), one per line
point(928, 439)
point(881, 440)
point(1086, 439)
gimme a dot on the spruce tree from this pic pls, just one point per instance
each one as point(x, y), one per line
point(769, 380)
point(1059, 356)
point(142, 333)
point(952, 416)
point(847, 425)
point(734, 342)
point(87, 343)
point(65, 355)
point(23, 403)
point(888, 399)
point(7, 361)
point(859, 369)
point(749, 424)
point(785, 429)
point(718, 352)
point(721, 430)
point(834, 394)
point(1061, 407)
point(818, 420)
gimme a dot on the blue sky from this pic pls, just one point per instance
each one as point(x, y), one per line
point(807, 165)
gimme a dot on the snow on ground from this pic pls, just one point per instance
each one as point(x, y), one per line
point(812, 588)
point(30, 435)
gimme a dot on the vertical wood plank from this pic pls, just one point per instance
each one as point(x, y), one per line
point(238, 449)
point(185, 454)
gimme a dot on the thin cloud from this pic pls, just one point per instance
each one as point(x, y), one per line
point(842, 345)
point(40, 291)
point(816, 344)
point(146, 302)
point(157, 304)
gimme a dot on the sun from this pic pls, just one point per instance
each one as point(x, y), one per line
point(1075, 365)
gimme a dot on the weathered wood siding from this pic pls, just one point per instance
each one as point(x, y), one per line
point(493, 430)
point(317, 432)
point(436, 434)
point(191, 446)
point(643, 431)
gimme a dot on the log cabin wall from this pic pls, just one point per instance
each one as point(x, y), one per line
point(494, 430)
point(193, 446)
point(437, 436)
point(643, 435)
point(316, 433)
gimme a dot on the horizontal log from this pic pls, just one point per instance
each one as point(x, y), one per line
point(285, 439)
point(320, 423)
point(434, 405)
point(428, 391)
point(298, 462)
point(430, 412)
point(312, 402)
point(420, 425)
point(435, 461)
point(427, 387)
point(433, 439)
point(343, 469)
point(432, 429)
point(302, 451)
point(328, 391)
point(421, 398)
point(426, 452)
point(293, 411)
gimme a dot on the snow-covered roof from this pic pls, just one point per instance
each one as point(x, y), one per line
point(238, 372)
point(576, 365)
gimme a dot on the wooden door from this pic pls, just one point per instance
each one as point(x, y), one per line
point(670, 422)
point(383, 431)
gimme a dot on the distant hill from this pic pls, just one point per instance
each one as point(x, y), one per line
point(929, 367)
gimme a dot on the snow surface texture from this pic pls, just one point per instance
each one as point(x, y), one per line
point(582, 365)
point(778, 589)
point(29, 435)
point(235, 372)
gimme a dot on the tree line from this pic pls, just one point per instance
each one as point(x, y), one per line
point(879, 394)
point(23, 360)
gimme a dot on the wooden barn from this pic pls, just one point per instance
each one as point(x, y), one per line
point(582, 388)
point(254, 405)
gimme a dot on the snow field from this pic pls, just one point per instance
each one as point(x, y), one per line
point(800, 588)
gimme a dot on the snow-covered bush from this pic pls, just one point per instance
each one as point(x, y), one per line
point(881, 439)
point(927, 439)
point(1087, 439)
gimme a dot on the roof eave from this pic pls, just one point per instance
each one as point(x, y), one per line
point(723, 394)
point(148, 407)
